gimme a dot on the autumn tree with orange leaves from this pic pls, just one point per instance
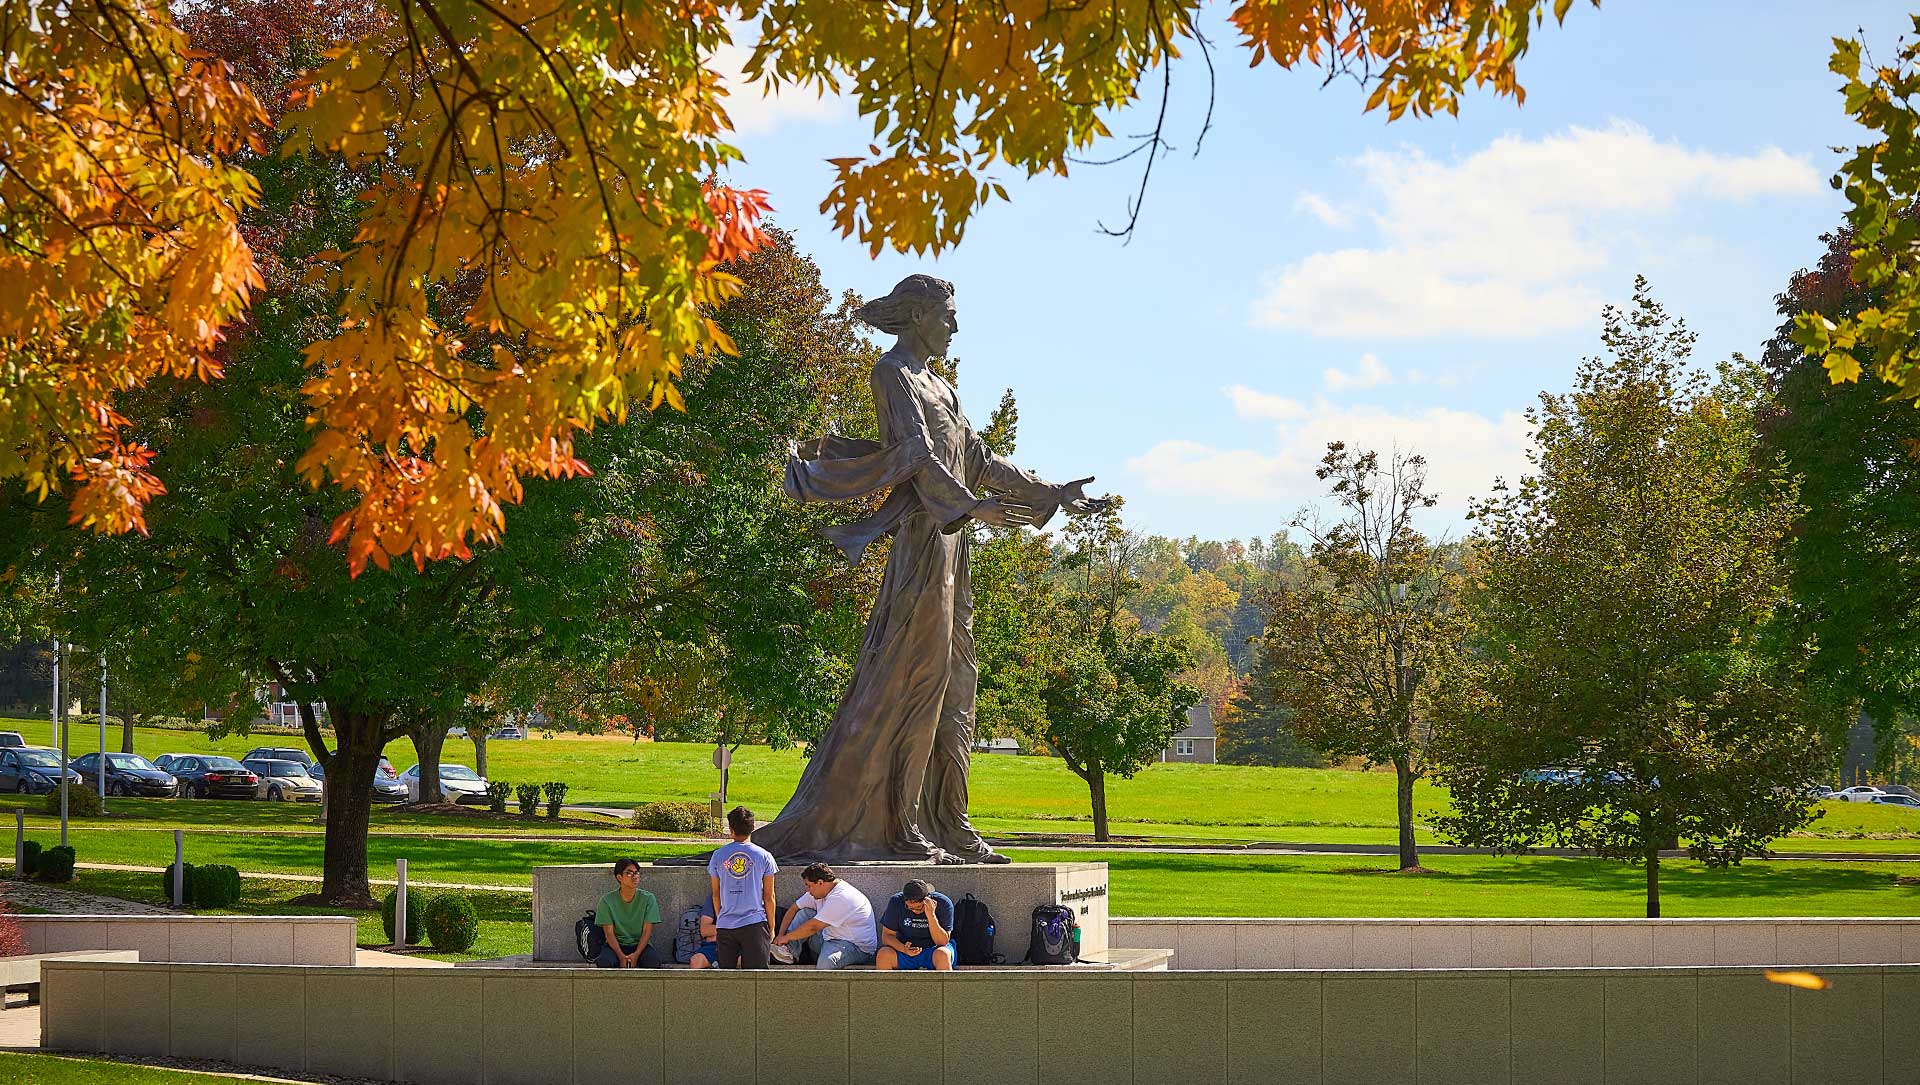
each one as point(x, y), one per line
point(541, 240)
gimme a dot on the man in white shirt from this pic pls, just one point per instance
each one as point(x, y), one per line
point(834, 917)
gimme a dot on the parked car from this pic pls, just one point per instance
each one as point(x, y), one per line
point(284, 781)
point(1819, 791)
point(1859, 793)
point(1907, 801)
point(32, 770)
point(387, 786)
point(127, 774)
point(278, 753)
point(11, 738)
point(458, 783)
point(510, 731)
point(1900, 789)
point(210, 776)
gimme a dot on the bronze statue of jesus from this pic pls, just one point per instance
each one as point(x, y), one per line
point(888, 780)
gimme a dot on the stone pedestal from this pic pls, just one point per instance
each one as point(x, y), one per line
point(562, 894)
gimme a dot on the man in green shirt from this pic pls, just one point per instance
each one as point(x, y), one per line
point(626, 916)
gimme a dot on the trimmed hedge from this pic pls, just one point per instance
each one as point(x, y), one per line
point(497, 793)
point(416, 916)
point(453, 923)
point(81, 803)
point(29, 860)
point(55, 865)
point(215, 886)
point(528, 796)
point(186, 884)
point(673, 817)
point(556, 793)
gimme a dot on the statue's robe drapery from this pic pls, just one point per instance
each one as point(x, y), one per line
point(888, 781)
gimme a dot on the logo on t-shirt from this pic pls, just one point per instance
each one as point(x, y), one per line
point(737, 864)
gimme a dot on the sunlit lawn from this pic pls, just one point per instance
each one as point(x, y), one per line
point(1009, 794)
point(1179, 884)
point(51, 1070)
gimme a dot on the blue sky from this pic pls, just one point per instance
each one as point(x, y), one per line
point(1318, 273)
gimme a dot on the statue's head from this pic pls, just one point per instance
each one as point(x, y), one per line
point(920, 306)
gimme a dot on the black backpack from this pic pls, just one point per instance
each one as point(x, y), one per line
point(1056, 936)
point(973, 929)
point(588, 938)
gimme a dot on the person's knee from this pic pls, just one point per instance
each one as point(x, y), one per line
point(699, 960)
point(605, 958)
point(943, 959)
point(887, 959)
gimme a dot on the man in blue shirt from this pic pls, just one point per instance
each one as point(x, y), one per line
point(741, 874)
point(916, 931)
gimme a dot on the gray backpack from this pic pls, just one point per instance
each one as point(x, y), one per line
point(686, 936)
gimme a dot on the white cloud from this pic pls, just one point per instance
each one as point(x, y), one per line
point(1504, 241)
point(1248, 403)
point(1465, 452)
point(752, 109)
point(1369, 372)
point(1317, 206)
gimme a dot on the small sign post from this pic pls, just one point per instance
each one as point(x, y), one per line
point(400, 906)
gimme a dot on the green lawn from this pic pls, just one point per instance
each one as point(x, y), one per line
point(1010, 794)
point(1174, 884)
point(52, 1070)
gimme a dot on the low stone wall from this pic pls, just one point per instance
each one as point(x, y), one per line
point(212, 939)
point(562, 894)
point(1201, 943)
point(568, 1027)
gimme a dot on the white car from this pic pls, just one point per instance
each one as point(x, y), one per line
point(458, 784)
point(1859, 793)
point(1907, 801)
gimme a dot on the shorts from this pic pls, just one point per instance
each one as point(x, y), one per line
point(709, 950)
point(923, 960)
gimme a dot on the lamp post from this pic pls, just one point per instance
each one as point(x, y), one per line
point(59, 728)
point(101, 786)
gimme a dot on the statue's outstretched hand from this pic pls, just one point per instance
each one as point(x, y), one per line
point(999, 512)
point(1073, 497)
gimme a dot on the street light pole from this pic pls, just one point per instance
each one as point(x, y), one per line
point(102, 785)
point(60, 731)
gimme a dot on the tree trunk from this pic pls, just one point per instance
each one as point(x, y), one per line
point(126, 729)
point(359, 738)
point(1097, 787)
point(429, 738)
point(1404, 779)
point(479, 736)
point(1653, 880)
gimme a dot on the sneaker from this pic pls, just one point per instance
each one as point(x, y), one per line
point(781, 953)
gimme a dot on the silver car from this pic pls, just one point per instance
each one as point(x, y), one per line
point(458, 784)
point(284, 781)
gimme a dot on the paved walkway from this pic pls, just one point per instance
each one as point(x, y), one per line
point(53, 900)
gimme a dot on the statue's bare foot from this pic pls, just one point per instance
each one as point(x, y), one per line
point(942, 857)
point(992, 858)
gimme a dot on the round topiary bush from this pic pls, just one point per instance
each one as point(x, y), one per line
point(81, 803)
point(416, 916)
point(215, 886)
point(55, 865)
point(29, 859)
point(453, 923)
point(673, 817)
point(186, 884)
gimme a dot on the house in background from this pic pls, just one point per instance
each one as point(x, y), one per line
point(1195, 742)
point(996, 745)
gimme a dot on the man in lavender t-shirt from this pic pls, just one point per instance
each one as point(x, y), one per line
point(741, 874)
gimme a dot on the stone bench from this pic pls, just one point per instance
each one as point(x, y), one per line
point(1114, 960)
point(23, 973)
